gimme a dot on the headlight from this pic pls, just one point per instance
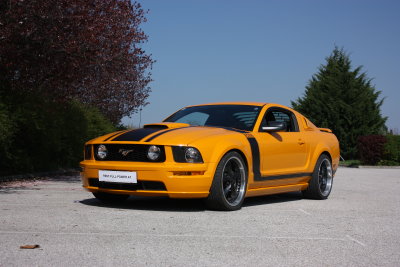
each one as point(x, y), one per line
point(192, 155)
point(153, 153)
point(186, 154)
point(102, 152)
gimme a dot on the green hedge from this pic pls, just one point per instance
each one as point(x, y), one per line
point(41, 135)
point(391, 154)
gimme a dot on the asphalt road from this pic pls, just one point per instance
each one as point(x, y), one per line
point(359, 225)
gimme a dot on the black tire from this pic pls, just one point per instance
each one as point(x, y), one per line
point(110, 198)
point(229, 185)
point(320, 185)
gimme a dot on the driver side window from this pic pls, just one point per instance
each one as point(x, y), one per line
point(281, 115)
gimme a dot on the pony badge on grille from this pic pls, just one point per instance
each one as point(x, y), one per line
point(125, 152)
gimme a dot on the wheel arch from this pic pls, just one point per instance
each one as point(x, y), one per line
point(319, 150)
point(236, 142)
point(326, 153)
point(234, 149)
point(319, 154)
point(241, 153)
point(243, 157)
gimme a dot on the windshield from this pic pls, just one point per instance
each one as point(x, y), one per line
point(241, 117)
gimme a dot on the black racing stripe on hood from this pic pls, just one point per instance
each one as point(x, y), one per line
point(111, 136)
point(167, 131)
point(136, 135)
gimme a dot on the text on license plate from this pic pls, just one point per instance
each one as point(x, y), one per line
point(118, 177)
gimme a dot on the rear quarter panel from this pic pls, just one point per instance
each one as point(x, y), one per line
point(319, 142)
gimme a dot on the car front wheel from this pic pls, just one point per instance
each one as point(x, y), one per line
point(229, 185)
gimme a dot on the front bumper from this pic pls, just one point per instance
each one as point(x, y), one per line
point(178, 180)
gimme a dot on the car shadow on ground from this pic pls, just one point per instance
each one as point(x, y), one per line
point(185, 205)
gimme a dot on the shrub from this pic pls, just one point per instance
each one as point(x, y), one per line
point(371, 148)
point(43, 135)
point(392, 150)
point(6, 130)
point(385, 162)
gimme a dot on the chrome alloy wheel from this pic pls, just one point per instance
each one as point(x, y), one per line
point(233, 181)
point(325, 177)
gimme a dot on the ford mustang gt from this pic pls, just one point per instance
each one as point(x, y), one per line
point(221, 152)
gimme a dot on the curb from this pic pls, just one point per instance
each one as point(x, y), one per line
point(378, 167)
point(370, 167)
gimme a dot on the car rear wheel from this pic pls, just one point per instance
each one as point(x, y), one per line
point(229, 185)
point(320, 185)
point(110, 198)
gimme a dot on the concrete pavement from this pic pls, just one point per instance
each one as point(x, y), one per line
point(357, 226)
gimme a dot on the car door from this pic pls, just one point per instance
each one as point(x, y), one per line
point(283, 154)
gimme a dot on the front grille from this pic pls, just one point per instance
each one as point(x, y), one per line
point(141, 185)
point(132, 153)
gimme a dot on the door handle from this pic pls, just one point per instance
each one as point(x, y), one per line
point(301, 142)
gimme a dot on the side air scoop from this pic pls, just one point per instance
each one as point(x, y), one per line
point(325, 130)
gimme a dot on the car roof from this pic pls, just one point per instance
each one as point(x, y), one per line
point(232, 103)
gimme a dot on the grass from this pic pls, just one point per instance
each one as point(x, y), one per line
point(350, 163)
point(355, 163)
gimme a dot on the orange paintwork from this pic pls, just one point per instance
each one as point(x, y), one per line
point(281, 153)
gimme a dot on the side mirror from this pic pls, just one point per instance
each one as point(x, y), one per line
point(274, 126)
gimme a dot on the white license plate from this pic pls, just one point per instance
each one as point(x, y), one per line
point(118, 177)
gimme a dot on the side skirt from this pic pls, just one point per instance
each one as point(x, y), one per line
point(276, 189)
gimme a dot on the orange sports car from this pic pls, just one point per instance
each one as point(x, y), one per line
point(221, 152)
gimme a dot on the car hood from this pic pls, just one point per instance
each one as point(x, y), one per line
point(189, 135)
point(168, 134)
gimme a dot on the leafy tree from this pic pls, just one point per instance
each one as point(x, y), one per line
point(343, 99)
point(76, 49)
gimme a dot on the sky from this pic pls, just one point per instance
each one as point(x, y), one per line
point(264, 51)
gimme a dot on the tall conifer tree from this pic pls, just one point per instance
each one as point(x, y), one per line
point(343, 99)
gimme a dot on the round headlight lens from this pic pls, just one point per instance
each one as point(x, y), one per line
point(153, 153)
point(102, 152)
point(192, 155)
